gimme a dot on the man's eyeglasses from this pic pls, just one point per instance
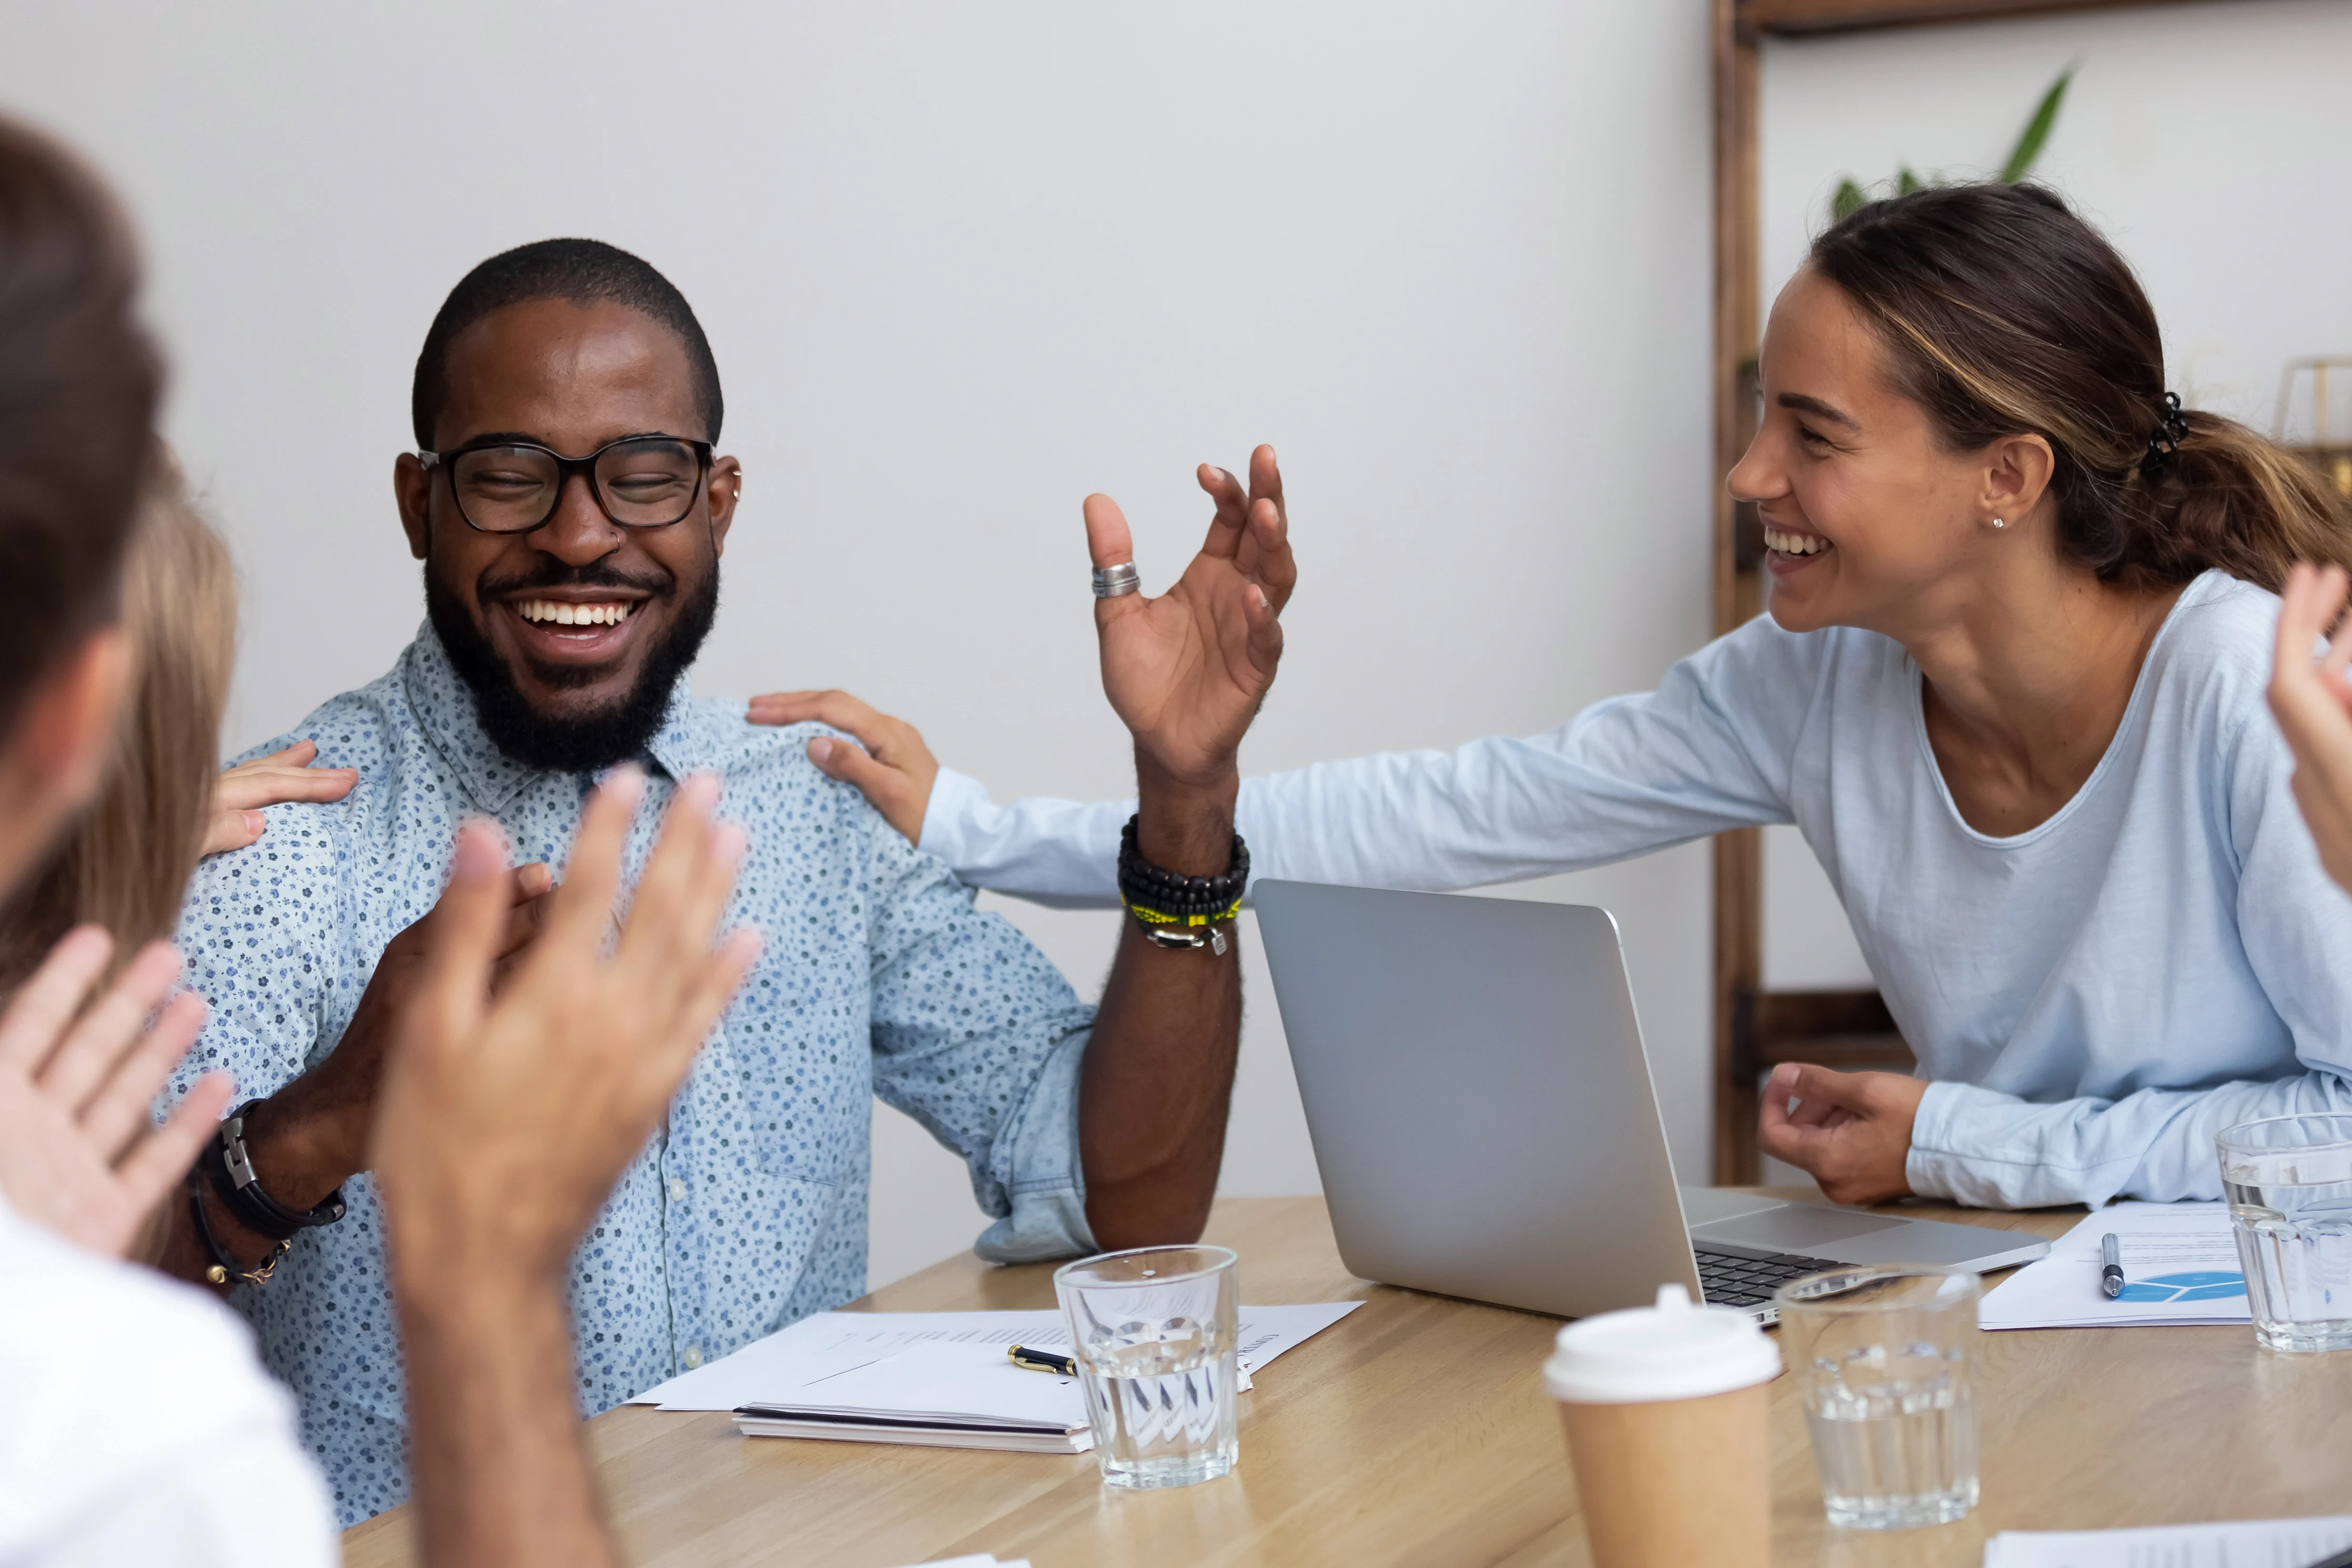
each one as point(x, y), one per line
point(512, 486)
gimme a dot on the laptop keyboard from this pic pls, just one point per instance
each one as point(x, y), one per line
point(1729, 1280)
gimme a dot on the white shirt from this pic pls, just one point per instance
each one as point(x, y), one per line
point(2094, 999)
point(136, 1426)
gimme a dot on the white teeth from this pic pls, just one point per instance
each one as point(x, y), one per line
point(563, 613)
point(1794, 543)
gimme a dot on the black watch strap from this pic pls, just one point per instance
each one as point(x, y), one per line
point(230, 1169)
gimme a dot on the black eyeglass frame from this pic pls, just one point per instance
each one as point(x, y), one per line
point(565, 467)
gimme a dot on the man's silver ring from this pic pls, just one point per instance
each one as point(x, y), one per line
point(1110, 581)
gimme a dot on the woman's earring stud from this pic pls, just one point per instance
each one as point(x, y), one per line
point(1998, 524)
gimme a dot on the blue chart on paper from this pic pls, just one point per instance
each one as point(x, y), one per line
point(2203, 1286)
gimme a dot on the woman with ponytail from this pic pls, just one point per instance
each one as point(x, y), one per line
point(2011, 689)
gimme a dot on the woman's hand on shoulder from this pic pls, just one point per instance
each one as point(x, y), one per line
point(272, 780)
point(1851, 1132)
point(2313, 702)
point(895, 771)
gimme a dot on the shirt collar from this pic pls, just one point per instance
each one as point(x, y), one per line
point(690, 735)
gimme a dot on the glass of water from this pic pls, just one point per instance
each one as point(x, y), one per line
point(1884, 1359)
point(2289, 1183)
point(1157, 1330)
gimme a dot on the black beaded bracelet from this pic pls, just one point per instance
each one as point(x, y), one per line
point(1175, 909)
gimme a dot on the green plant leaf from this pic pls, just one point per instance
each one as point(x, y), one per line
point(1905, 181)
point(1851, 198)
point(2037, 131)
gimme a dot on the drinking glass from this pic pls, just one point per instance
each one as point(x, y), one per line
point(1884, 1359)
point(1156, 1331)
point(2289, 1183)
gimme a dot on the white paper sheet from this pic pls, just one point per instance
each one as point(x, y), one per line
point(2242, 1544)
point(2180, 1266)
point(765, 1368)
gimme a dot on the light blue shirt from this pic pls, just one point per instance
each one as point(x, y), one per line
point(2094, 999)
point(747, 1210)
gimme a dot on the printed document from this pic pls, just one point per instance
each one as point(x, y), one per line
point(830, 1340)
point(2241, 1543)
point(2180, 1266)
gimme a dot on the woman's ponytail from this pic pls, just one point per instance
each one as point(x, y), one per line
point(2005, 312)
point(2231, 498)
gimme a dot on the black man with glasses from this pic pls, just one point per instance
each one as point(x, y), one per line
point(570, 510)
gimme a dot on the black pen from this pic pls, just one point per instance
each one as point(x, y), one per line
point(2341, 1560)
point(1028, 1360)
point(2111, 1264)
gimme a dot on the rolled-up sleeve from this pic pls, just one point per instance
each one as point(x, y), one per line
point(979, 1038)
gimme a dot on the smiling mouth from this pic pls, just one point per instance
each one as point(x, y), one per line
point(561, 613)
point(1786, 543)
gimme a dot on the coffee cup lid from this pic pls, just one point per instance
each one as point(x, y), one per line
point(1671, 1351)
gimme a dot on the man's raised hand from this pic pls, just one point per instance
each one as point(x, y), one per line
point(1186, 672)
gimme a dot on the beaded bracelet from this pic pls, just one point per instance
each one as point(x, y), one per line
point(1178, 911)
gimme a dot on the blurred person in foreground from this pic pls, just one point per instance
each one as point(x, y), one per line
point(138, 1425)
point(569, 505)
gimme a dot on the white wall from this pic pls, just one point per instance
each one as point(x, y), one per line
point(962, 263)
point(2210, 141)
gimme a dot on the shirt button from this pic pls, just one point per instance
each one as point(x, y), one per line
point(676, 1190)
point(693, 1356)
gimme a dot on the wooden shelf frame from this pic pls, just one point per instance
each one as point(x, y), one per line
point(1755, 1029)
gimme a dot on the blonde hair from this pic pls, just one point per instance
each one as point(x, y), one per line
point(125, 864)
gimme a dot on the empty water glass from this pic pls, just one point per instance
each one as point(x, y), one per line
point(1156, 1331)
point(2289, 1183)
point(1884, 1360)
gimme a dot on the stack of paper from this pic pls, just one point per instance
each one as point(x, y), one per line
point(2180, 1266)
point(935, 1378)
point(2244, 1543)
point(937, 1392)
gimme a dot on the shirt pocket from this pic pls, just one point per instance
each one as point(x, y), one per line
point(808, 1108)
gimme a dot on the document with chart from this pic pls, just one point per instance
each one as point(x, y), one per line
point(2180, 1266)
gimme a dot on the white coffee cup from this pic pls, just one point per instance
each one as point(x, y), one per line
point(1665, 1410)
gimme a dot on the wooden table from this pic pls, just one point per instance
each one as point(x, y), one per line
point(1417, 1432)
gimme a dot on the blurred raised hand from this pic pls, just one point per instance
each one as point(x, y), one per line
point(889, 765)
point(507, 1114)
point(2312, 698)
point(272, 780)
point(78, 1152)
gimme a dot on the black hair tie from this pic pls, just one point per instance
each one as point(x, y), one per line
point(2169, 434)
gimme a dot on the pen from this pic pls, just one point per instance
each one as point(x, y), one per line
point(1030, 1360)
point(2341, 1560)
point(2111, 1264)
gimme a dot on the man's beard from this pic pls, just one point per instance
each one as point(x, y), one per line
point(585, 742)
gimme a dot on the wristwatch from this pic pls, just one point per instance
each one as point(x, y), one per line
point(230, 1168)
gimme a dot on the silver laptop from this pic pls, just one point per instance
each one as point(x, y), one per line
point(1483, 1117)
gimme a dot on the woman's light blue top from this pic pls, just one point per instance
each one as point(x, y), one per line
point(2094, 999)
